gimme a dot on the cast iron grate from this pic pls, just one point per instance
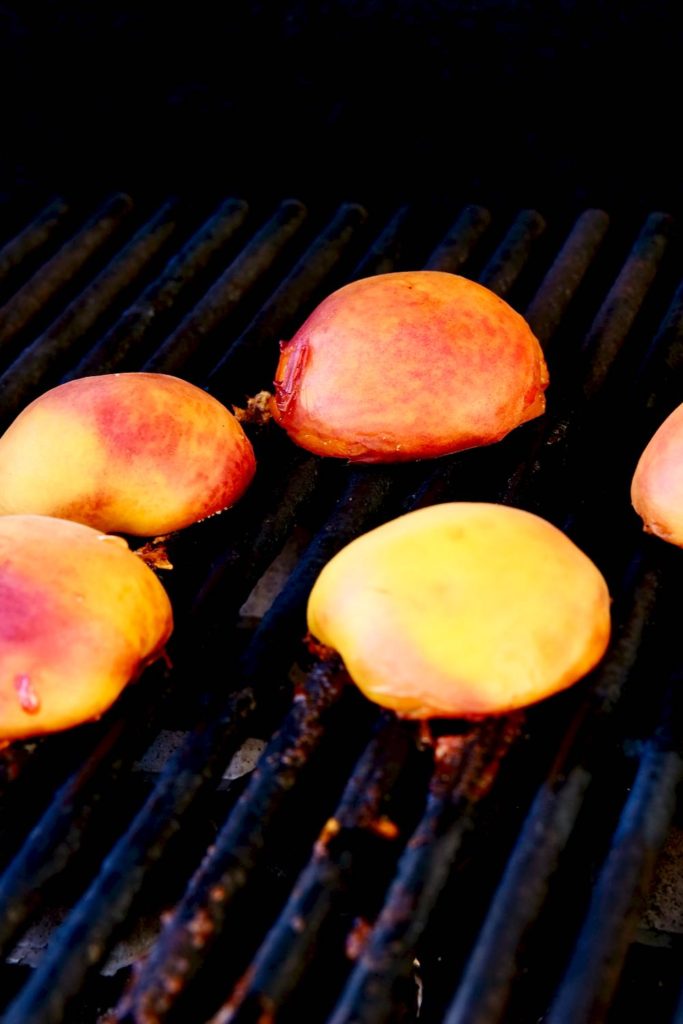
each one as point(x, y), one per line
point(510, 858)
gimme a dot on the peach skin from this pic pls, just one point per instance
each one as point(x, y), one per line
point(80, 616)
point(657, 485)
point(408, 365)
point(137, 453)
point(462, 610)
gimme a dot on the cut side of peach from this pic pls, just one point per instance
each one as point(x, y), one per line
point(137, 453)
point(80, 616)
point(408, 365)
point(462, 610)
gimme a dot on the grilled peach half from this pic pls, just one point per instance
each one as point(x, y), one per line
point(80, 616)
point(137, 453)
point(462, 610)
point(657, 485)
point(408, 365)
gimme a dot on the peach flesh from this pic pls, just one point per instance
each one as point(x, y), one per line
point(462, 610)
point(406, 366)
point(657, 485)
point(137, 453)
point(80, 616)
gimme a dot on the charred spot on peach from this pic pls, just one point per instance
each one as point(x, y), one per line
point(137, 453)
point(406, 366)
point(462, 610)
point(80, 616)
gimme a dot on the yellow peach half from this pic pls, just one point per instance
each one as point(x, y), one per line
point(80, 616)
point(138, 453)
point(408, 365)
point(657, 485)
point(462, 610)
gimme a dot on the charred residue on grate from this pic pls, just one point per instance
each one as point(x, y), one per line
point(186, 299)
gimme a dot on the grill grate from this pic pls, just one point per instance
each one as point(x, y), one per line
point(530, 807)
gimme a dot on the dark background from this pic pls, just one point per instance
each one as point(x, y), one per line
point(532, 103)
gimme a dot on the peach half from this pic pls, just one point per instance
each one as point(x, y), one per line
point(408, 366)
point(80, 616)
point(137, 453)
point(462, 610)
point(657, 485)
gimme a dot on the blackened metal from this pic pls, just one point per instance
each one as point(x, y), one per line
point(237, 849)
point(661, 371)
point(223, 298)
point(242, 559)
point(456, 247)
point(30, 372)
point(52, 843)
point(32, 298)
point(510, 258)
point(33, 237)
point(129, 337)
point(619, 894)
point(548, 452)
point(362, 505)
point(544, 313)
point(250, 362)
point(383, 254)
point(485, 985)
point(82, 939)
point(466, 768)
point(624, 299)
point(323, 887)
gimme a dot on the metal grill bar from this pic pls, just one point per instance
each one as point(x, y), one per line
point(545, 311)
point(35, 295)
point(484, 989)
point(237, 849)
point(544, 471)
point(623, 301)
point(33, 237)
point(510, 258)
point(620, 891)
point(128, 339)
point(224, 296)
point(81, 941)
point(465, 769)
point(456, 246)
point(326, 884)
point(246, 359)
point(33, 370)
point(487, 979)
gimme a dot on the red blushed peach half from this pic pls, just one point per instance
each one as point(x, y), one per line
point(138, 453)
point(80, 616)
point(657, 486)
point(407, 366)
point(462, 610)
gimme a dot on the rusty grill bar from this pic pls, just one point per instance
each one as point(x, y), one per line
point(350, 820)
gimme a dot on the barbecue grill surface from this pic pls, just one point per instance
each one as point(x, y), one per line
point(504, 867)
